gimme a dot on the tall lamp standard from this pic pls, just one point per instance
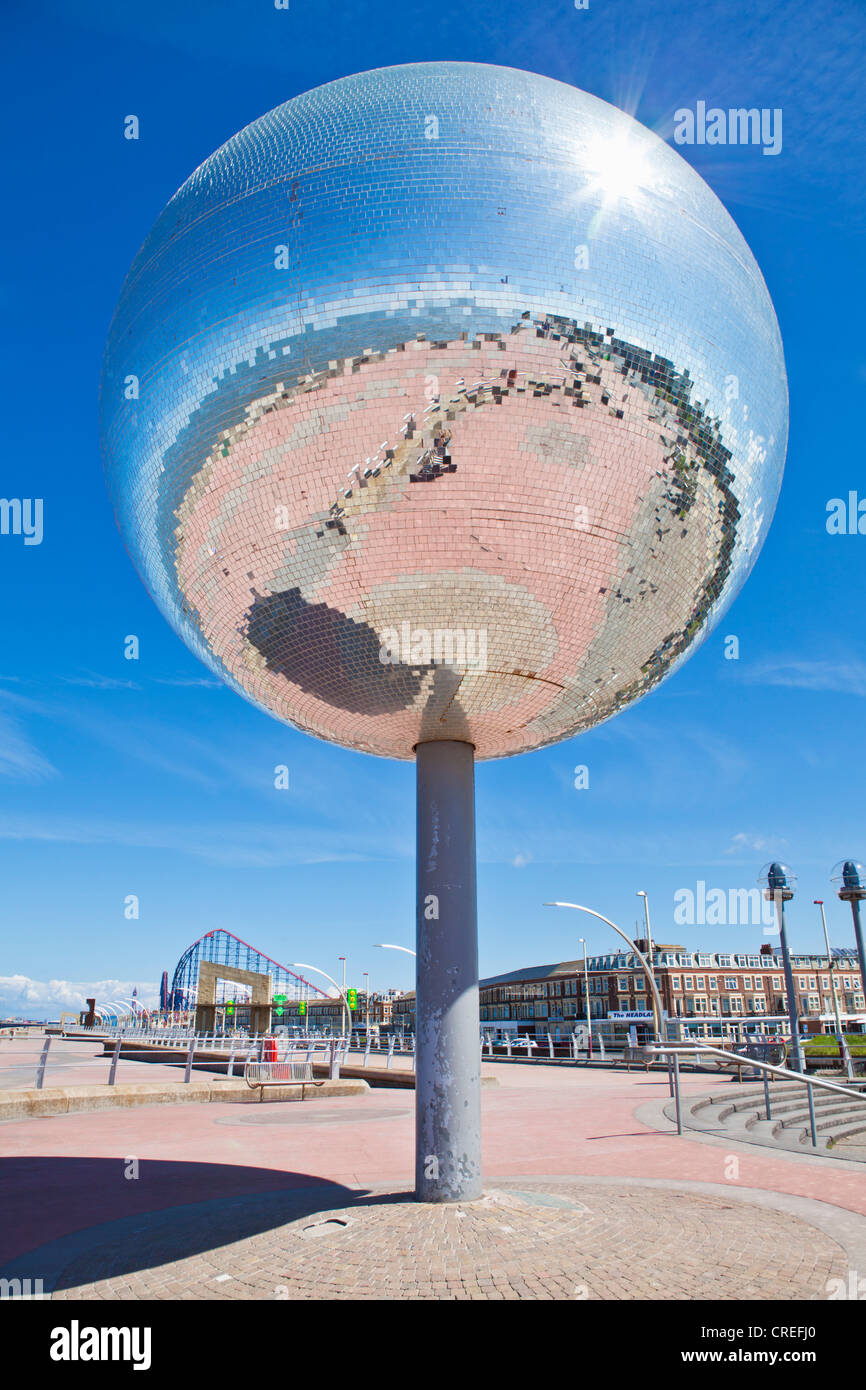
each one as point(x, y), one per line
point(777, 881)
point(840, 1032)
point(367, 1003)
point(300, 965)
point(849, 874)
point(657, 1023)
point(388, 946)
point(582, 940)
point(627, 939)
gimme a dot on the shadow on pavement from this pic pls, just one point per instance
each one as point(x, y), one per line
point(69, 1221)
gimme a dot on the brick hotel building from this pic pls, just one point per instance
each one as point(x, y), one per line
point(709, 991)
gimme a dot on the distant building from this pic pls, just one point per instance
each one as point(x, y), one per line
point(330, 1014)
point(706, 990)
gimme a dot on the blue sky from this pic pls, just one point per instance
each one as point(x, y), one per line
point(149, 778)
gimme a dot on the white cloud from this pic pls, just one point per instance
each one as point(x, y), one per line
point(20, 760)
point(21, 995)
point(742, 841)
point(843, 677)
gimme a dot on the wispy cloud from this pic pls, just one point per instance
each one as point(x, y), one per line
point(842, 677)
point(97, 682)
point(246, 845)
point(182, 682)
point(742, 842)
point(20, 760)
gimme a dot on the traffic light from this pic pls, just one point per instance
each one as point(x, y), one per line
point(302, 1008)
point(352, 997)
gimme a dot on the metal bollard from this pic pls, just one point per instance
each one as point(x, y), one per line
point(43, 1058)
point(334, 1061)
point(391, 1042)
point(550, 1046)
point(767, 1096)
point(189, 1056)
point(677, 1092)
point(367, 1051)
point(508, 1045)
point(115, 1058)
point(231, 1070)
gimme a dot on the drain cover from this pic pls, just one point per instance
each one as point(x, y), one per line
point(330, 1227)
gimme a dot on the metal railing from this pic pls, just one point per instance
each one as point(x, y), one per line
point(746, 1063)
point(231, 1053)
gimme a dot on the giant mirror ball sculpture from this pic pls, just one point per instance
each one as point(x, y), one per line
point(444, 402)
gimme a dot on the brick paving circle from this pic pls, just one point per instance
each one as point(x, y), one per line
point(568, 1240)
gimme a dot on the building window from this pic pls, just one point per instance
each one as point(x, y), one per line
point(713, 982)
point(675, 982)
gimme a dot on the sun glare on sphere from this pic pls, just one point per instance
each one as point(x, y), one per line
point(619, 165)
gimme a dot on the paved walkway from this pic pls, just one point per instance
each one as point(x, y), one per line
point(218, 1201)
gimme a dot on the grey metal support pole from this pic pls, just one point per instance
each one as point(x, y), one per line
point(115, 1058)
point(789, 985)
point(187, 1071)
point(767, 1097)
point(812, 1130)
point(677, 1099)
point(448, 1060)
point(858, 937)
point(43, 1058)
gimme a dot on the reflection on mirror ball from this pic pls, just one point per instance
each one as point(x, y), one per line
point(444, 402)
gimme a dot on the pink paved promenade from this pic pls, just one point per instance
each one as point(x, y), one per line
point(63, 1175)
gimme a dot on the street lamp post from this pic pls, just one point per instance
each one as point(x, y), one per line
point(778, 882)
point(388, 946)
point(367, 1003)
point(840, 1032)
point(582, 940)
point(641, 957)
point(657, 1022)
point(849, 874)
point(300, 965)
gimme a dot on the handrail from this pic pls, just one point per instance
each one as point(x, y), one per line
point(747, 1063)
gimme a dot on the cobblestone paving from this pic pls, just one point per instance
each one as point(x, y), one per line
point(568, 1240)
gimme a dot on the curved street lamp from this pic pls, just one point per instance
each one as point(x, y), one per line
point(300, 965)
point(850, 876)
point(657, 1005)
point(777, 881)
point(386, 946)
